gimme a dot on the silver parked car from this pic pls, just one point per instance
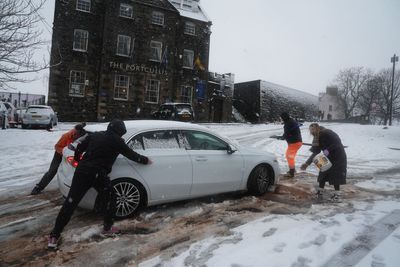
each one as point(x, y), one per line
point(189, 161)
point(39, 116)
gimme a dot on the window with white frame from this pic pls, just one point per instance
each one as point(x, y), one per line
point(124, 45)
point(83, 5)
point(188, 56)
point(183, 4)
point(121, 87)
point(77, 83)
point(125, 11)
point(186, 94)
point(152, 91)
point(157, 18)
point(190, 28)
point(80, 40)
point(155, 51)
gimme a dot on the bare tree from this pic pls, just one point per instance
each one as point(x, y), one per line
point(19, 38)
point(369, 94)
point(385, 86)
point(350, 83)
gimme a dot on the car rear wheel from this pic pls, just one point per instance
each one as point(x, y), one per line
point(130, 197)
point(260, 179)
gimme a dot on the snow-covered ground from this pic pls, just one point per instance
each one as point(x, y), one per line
point(353, 233)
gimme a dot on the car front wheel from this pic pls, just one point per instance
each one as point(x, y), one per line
point(260, 179)
point(129, 195)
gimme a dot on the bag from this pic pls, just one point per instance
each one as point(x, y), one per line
point(322, 162)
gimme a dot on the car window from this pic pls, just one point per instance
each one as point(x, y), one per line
point(184, 108)
point(203, 141)
point(136, 143)
point(38, 110)
point(165, 139)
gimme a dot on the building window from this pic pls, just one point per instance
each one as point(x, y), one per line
point(83, 5)
point(183, 4)
point(190, 28)
point(81, 40)
point(157, 18)
point(152, 91)
point(77, 83)
point(330, 107)
point(121, 87)
point(124, 45)
point(155, 53)
point(188, 56)
point(126, 11)
point(186, 94)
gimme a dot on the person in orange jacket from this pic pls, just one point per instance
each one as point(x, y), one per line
point(64, 141)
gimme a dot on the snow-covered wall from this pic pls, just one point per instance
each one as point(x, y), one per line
point(275, 99)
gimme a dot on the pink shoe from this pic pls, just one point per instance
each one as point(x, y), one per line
point(113, 231)
point(53, 242)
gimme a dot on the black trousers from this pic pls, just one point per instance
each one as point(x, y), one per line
point(49, 175)
point(322, 185)
point(82, 181)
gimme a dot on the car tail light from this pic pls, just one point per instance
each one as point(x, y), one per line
point(72, 162)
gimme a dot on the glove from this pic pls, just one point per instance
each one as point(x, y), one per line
point(326, 152)
point(304, 166)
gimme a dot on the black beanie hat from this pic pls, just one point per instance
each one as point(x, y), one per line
point(117, 126)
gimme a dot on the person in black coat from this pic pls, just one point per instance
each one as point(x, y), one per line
point(329, 143)
point(292, 135)
point(101, 150)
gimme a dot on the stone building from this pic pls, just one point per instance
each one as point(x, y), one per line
point(262, 101)
point(220, 88)
point(329, 108)
point(124, 58)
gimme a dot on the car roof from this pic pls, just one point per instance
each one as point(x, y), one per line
point(38, 106)
point(135, 126)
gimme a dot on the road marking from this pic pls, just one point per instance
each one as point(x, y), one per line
point(354, 251)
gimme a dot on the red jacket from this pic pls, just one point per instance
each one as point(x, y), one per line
point(65, 140)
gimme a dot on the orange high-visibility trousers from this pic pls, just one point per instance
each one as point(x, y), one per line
point(291, 154)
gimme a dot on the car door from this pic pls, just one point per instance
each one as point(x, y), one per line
point(170, 175)
point(214, 169)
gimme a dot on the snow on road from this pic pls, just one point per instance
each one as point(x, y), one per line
point(237, 232)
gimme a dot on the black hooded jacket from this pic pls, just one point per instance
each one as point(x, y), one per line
point(102, 149)
point(291, 129)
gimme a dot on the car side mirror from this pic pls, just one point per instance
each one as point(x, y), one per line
point(229, 150)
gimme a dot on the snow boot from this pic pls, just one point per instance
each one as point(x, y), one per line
point(319, 196)
point(36, 190)
point(112, 232)
point(335, 197)
point(53, 242)
point(290, 173)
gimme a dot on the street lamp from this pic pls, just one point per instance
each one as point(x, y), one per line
point(394, 59)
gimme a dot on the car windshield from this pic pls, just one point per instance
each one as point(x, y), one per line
point(181, 108)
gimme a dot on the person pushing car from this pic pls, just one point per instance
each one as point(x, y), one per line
point(66, 139)
point(101, 150)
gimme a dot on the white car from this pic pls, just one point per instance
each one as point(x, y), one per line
point(39, 116)
point(189, 161)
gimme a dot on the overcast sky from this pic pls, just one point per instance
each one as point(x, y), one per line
point(296, 43)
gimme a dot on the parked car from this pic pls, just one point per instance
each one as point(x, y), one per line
point(39, 116)
point(19, 114)
point(175, 111)
point(189, 161)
